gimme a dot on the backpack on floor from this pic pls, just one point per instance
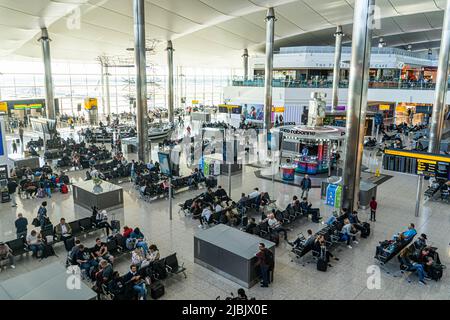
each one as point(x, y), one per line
point(48, 251)
point(436, 272)
point(40, 193)
point(365, 232)
point(64, 189)
point(156, 290)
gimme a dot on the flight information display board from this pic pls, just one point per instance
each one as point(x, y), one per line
point(416, 162)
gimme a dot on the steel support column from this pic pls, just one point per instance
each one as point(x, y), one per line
point(437, 117)
point(49, 98)
point(141, 80)
point(245, 64)
point(337, 68)
point(270, 30)
point(170, 99)
point(108, 99)
point(357, 100)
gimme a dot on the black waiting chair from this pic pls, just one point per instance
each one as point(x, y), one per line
point(18, 246)
point(76, 228)
point(86, 224)
point(173, 267)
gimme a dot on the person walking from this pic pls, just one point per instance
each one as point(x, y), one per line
point(305, 184)
point(12, 188)
point(42, 214)
point(21, 135)
point(373, 209)
point(14, 146)
point(21, 224)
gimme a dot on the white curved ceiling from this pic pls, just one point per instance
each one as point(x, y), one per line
point(204, 32)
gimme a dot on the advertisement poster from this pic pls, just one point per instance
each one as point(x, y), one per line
point(253, 111)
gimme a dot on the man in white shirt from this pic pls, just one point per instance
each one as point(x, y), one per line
point(275, 225)
point(206, 214)
point(254, 194)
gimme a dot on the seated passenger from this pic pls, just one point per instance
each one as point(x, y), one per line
point(153, 254)
point(206, 215)
point(254, 194)
point(389, 246)
point(242, 201)
point(84, 260)
point(421, 242)
point(137, 257)
point(63, 231)
point(100, 251)
point(275, 225)
point(208, 196)
point(196, 209)
point(104, 275)
point(410, 233)
point(6, 253)
point(126, 232)
point(348, 233)
point(35, 243)
point(251, 225)
point(308, 241)
point(221, 194)
point(320, 249)
point(139, 236)
point(138, 284)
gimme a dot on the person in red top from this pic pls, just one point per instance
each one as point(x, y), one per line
point(127, 231)
point(373, 209)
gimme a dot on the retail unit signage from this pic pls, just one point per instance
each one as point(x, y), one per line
point(384, 107)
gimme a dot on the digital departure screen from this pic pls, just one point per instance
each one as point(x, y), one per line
point(426, 167)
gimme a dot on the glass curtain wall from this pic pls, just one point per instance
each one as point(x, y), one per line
point(73, 82)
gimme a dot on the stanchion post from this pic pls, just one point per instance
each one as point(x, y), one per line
point(419, 194)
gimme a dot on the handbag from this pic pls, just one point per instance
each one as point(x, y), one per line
point(36, 222)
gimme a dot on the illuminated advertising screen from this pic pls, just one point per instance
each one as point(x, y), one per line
point(253, 111)
point(164, 163)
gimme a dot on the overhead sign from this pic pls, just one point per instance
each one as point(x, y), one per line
point(384, 107)
point(400, 109)
point(278, 109)
point(4, 106)
point(195, 102)
point(415, 162)
point(27, 106)
point(418, 155)
point(90, 103)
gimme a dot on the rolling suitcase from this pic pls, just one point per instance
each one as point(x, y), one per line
point(115, 226)
point(156, 290)
point(365, 232)
point(322, 264)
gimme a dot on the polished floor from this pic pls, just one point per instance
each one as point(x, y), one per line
point(347, 279)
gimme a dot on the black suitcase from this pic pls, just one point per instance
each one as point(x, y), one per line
point(365, 232)
point(322, 265)
point(156, 290)
point(115, 226)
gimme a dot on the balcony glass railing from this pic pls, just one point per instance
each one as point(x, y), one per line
point(279, 83)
